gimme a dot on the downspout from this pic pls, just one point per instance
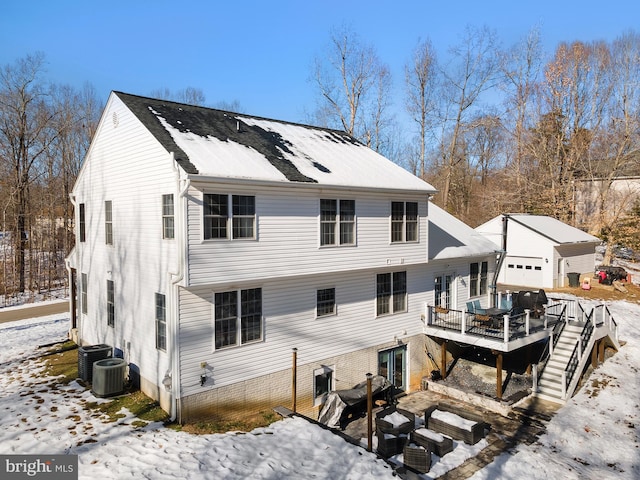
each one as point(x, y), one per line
point(501, 256)
point(176, 278)
point(73, 306)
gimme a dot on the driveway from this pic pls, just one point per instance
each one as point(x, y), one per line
point(29, 311)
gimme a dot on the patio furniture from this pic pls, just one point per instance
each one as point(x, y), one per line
point(436, 442)
point(395, 421)
point(389, 444)
point(455, 423)
point(417, 457)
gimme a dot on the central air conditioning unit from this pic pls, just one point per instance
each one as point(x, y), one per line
point(89, 354)
point(108, 377)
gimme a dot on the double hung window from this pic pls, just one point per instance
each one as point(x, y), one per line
point(161, 322)
point(391, 293)
point(404, 222)
point(326, 302)
point(478, 279)
point(337, 222)
point(238, 317)
point(168, 221)
point(108, 222)
point(82, 223)
point(229, 216)
point(111, 307)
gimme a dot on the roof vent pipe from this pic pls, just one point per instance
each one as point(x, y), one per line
point(238, 125)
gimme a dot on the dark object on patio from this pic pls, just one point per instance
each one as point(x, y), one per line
point(436, 442)
point(417, 458)
point(530, 300)
point(395, 421)
point(435, 373)
point(455, 423)
point(343, 402)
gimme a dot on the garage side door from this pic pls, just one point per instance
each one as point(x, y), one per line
point(524, 271)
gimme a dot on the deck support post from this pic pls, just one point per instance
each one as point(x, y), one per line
point(498, 375)
point(369, 413)
point(594, 354)
point(601, 350)
point(443, 358)
point(294, 379)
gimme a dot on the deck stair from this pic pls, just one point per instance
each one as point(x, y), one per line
point(571, 351)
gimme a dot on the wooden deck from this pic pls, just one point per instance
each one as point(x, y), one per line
point(500, 332)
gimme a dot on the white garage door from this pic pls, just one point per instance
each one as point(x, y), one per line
point(523, 271)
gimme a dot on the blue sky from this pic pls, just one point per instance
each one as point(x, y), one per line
point(260, 53)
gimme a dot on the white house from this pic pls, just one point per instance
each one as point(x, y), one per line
point(540, 251)
point(211, 244)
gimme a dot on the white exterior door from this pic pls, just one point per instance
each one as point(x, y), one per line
point(525, 271)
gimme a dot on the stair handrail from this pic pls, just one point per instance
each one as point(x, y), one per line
point(558, 328)
point(579, 351)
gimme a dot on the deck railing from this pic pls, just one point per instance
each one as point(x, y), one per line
point(504, 327)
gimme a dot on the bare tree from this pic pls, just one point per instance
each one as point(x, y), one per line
point(421, 83)
point(26, 120)
point(353, 88)
point(189, 95)
point(521, 66)
point(471, 72)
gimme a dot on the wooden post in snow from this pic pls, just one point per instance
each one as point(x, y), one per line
point(499, 375)
point(294, 379)
point(369, 413)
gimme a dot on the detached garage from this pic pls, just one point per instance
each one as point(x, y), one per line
point(540, 251)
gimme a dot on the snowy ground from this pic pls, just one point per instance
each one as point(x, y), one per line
point(596, 435)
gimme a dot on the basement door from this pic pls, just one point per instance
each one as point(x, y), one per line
point(392, 364)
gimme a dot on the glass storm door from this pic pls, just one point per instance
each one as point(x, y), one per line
point(392, 366)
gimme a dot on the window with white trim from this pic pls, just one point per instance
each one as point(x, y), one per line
point(391, 293)
point(161, 322)
point(108, 222)
point(220, 208)
point(326, 302)
point(168, 219)
point(322, 384)
point(111, 307)
point(404, 222)
point(238, 317)
point(83, 292)
point(82, 225)
point(478, 279)
point(337, 222)
point(443, 291)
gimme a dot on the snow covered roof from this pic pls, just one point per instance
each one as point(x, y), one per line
point(452, 238)
point(553, 229)
point(216, 143)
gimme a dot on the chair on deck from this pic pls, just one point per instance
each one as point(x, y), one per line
point(477, 308)
point(506, 303)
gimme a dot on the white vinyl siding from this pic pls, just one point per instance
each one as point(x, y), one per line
point(288, 310)
point(288, 240)
point(120, 156)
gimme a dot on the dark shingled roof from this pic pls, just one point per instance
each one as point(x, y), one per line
point(225, 126)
